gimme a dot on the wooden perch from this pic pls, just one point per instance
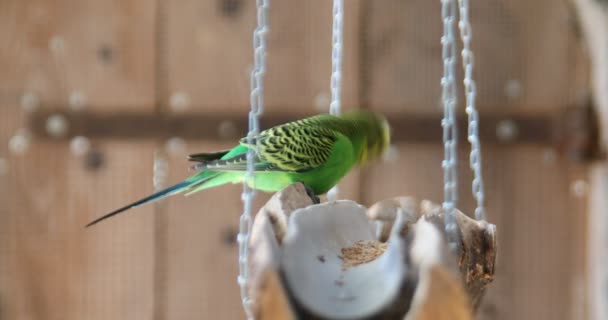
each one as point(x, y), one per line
point(339, 260)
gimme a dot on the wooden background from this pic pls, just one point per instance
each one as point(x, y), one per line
point(177, 259)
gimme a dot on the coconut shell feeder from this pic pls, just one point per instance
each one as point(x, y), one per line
point(341, 260)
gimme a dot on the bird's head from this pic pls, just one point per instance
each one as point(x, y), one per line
point(376, 134)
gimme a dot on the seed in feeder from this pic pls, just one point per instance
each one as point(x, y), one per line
point(362, 252)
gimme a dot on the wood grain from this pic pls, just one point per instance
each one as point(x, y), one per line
point(524, 47)
point(210, 55)
point(94, 47)
point(56, 268)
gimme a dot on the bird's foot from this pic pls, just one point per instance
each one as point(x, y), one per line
point(312, 195)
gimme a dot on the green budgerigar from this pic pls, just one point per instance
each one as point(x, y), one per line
point(317, 151)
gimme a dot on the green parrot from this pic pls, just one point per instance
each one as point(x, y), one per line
point(317, 151)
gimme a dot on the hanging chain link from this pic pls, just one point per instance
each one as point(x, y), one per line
point(449, 99)
point(336, 71)
point(473, 118)
point(160, 170)
point(257, 109)
point(336, 57)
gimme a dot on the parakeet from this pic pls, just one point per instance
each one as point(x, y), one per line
point(317, 151)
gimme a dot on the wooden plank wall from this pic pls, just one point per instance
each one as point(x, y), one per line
point(56, 270)
point(176, 260)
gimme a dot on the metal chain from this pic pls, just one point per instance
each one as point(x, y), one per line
point(449, 99)
point(473, 119)
point(257, 108)
point(160, 170)
point(336, 71)
point(336, 57)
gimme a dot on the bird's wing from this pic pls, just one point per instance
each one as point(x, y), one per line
point(296, 148)
point(287, 148)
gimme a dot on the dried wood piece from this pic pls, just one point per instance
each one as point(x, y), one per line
point(282, 204)
point(385, 213)
point(273, 302)
point(439, 294)
point(269, 228)
point(477, 254)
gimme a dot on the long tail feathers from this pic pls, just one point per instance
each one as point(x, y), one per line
point(151, 198)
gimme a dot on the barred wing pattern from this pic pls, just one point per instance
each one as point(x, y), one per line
point(295, 148)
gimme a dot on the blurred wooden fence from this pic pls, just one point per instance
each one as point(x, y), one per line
point(177, 259)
